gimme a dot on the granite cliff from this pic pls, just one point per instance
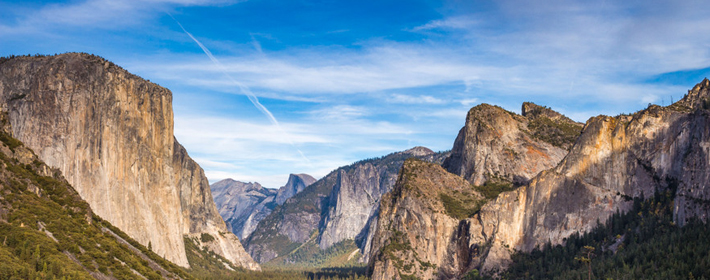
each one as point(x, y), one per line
point(337, 212)
point(614, 160)
point(111, 134)
point(244, 205)
point(51, 233)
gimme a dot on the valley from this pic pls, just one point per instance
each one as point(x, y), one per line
point(94, 184)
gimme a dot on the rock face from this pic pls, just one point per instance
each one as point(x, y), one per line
point(111, 135)
point(354, 201)
point(244, 205)
point(341, 206)
point(612, 161)
point(418, 221)
point(497, 145)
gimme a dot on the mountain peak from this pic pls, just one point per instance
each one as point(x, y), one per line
point(296, 183)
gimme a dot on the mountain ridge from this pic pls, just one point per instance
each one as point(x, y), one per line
point(613, 161)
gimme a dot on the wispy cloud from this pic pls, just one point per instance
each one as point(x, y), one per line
point(456, 22)
point(410, 99)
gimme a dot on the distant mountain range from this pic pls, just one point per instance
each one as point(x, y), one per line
point(339, 209)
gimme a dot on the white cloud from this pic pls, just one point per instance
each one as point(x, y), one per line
point(457, 22)
point(315, 72)
point(468, 102)
point(410, 99)
point(339, 112)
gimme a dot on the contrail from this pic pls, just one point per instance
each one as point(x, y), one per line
point(244, 89)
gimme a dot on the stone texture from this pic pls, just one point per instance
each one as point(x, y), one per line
point(111, 135)
point(244, 205)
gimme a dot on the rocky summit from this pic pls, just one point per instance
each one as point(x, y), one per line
point(244, 205)
point(496, 145)
point(111, 134)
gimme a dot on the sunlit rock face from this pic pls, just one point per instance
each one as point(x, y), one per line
point(497, 145)
point(111, 134)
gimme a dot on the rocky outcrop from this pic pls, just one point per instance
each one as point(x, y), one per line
point(614, 160)
point(497, 145)
point(244, 205)
point(111, 135)
point(341, 206)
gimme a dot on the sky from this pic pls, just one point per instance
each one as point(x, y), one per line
point(265, 88)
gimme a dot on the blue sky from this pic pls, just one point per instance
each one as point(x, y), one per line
point(348, 80)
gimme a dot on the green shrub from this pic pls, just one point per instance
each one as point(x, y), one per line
point(206, 237)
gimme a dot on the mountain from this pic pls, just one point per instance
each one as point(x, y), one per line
point(243, 205)
point(333, 217)
point(111, 134)
point(49, 232)
point(494, 152)
point(614, 161)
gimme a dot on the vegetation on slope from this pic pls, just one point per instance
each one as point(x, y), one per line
point(643, 243)
point(49, 232)
point(550, 126)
